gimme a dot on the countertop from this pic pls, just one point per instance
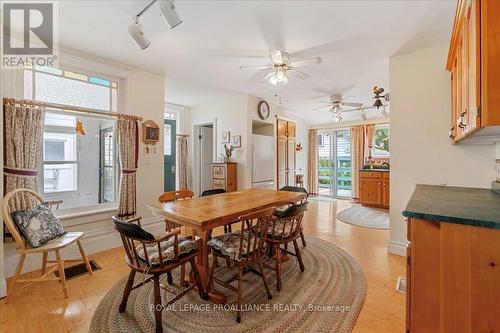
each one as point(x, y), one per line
point(470, 206)
point(374, 170)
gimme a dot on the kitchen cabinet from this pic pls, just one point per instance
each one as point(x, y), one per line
point(224, 176)
point(374, 188)
point(286, 164)
point(474, 63)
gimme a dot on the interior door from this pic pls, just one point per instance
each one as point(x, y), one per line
point(169, 130)
point(282, 166)
point(206, 158)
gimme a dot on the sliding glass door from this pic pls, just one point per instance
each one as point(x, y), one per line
point(334, 163)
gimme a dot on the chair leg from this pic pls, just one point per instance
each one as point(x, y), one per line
point(261, 267)
point(197, 280)
point(278, 268)
point(182, 275)
point(62, 276)
point(84, 256)
point(19, 269)
point(302, 237)
point(299, 255)
point(240, 292)
point(157, 304)
point(170, 279)
point(126, 291)
point(211, 274)
point(44, 262)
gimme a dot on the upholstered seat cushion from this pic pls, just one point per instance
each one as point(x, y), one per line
point(280, 228)
point(167, 250)
point(38, 225)
point(229, 244)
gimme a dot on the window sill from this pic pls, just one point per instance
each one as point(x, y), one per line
point(84, 215)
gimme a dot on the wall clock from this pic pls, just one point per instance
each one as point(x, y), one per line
point(263, 110)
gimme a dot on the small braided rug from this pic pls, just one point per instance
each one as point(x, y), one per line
point(327, 297)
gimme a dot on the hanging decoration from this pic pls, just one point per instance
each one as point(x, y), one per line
point(79, 127)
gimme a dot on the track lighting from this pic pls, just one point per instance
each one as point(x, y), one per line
point(363, 115)
point(135, 31)
point(167, 11)
point(384, 112)
point(169, 14)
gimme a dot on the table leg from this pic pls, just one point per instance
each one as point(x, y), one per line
point(203, 266)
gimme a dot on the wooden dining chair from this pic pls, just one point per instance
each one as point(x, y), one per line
point(244, 248)
point(23, 199)
point(285, 228)
point(299, 190)
point(155, 256)
point(170, 196)
point(227, 227)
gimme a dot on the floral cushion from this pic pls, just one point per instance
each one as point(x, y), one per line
point(279, 231)
point(167, 250)
point(38, 225)
point(229, 244)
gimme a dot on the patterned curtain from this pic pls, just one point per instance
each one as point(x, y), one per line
point(181, 161)
point(369, 131)
point(357, 155)
point(128, 141)
point(313, 162)
point(23, 140)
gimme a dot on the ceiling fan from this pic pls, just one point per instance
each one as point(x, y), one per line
point(282, 64)
point(336, 106)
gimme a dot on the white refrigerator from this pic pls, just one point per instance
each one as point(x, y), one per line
point(263, 168)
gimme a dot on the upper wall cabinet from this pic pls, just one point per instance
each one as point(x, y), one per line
point(474, 63)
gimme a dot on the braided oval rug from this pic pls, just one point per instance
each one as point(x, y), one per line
point(327, 297)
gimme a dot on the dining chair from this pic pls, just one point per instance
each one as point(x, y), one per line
point(227, 227)
point(170, 196)
point(155, 256)
point(23, 199)
point(285, 228)
point(244, 248)
point(299, 190)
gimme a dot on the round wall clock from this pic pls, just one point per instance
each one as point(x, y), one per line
point(263, 110)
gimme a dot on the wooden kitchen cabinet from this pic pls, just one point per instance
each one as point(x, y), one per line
point(474, 63)
point(224, 176)
point(286, 167)
point(374, 188)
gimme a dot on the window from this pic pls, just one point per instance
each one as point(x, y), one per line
point(80, 169)
point(320, 140)
point(381, 140)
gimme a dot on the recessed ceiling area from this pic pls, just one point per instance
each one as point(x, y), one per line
point(200, 57)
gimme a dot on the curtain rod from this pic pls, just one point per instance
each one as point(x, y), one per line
point(76, 109)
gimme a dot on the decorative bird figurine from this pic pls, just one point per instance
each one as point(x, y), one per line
point(79, 127)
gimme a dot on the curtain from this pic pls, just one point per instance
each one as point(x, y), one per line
point(181, 161)
point(128, 142)
point(357, 155)
point(369, 131)
point(313, 162)
point(23, 140)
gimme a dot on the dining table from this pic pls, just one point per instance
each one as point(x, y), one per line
point(203, 214)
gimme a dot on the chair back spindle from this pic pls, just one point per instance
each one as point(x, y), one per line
point(288, 224)
point(252, 234)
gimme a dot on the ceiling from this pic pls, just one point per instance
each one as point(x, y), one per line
point(200, 58)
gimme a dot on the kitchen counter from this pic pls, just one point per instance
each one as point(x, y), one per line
point(373, 170)
point(469, 206)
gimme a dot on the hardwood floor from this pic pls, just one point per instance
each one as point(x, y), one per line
point(42, 307)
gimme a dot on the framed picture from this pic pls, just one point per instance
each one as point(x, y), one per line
point(226, 135)
point(150, 132)
point(236, 141)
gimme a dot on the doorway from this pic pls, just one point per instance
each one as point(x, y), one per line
point(169, 146)
point(334, 163)
point(204, 156)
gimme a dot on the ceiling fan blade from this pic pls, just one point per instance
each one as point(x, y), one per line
point(305, 62)
point(267, 77)
point(321, 107)
point(257, 67)
point(355, 105)
point(299, 74)
point(276, 56)
point(359, 109)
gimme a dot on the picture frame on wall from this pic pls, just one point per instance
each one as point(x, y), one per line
point(236, 141)
point(226, 136)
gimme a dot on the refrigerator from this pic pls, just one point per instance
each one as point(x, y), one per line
point(263, 168)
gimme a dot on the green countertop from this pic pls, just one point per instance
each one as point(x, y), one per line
point(470, 206)
point(373, 170)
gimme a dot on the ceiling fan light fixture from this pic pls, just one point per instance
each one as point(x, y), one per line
point(384, 112)
point(279, 76)
point(169, 13)
point(337, 117)
point(137, 34)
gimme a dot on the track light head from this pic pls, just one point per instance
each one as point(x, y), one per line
point(137, 34)
point(363, 115)
point(169, 14)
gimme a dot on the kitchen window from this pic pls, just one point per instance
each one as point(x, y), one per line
point(381, 141)
point(79, 155)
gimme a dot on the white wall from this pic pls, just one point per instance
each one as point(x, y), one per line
point(421, 151)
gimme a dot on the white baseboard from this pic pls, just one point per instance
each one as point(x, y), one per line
point(3, 287)
point(97, 238)
point(396, 248)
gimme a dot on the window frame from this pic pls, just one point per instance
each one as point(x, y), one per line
point(381, 126)
point(121, 90)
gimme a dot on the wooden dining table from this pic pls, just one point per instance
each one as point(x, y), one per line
point(206, 213)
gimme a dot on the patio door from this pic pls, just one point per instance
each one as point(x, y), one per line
point(334, 163)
